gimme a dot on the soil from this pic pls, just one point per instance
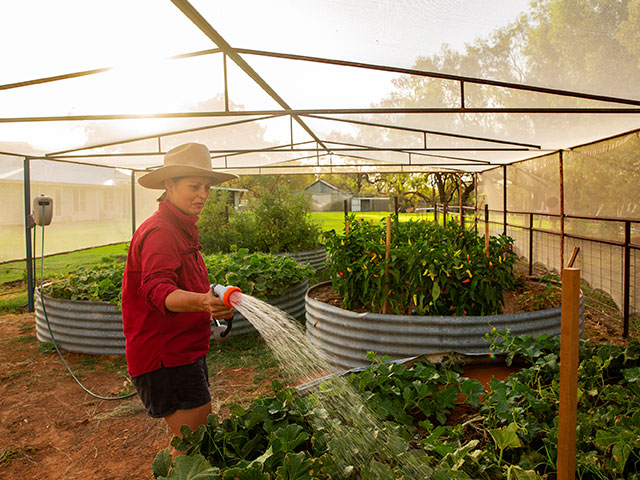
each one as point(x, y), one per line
point(51, 429)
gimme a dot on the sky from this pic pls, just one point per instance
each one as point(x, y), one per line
point(50, 38)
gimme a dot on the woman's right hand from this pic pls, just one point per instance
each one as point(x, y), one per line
point(214, 305)
point(184, 301)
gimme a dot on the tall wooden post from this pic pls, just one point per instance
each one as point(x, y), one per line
point(569, 342)
point(386, 266)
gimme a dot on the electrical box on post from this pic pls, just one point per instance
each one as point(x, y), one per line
point(42, 210)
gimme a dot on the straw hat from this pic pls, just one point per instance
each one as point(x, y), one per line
point(188, 160)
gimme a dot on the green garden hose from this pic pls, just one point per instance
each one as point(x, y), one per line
point(53, 340)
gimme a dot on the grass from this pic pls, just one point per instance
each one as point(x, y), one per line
point(248, 349)
point(61, 263)
point(335, 220)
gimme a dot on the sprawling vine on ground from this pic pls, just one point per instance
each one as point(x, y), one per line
point(510, 432)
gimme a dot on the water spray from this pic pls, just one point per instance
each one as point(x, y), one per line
point(226, 294)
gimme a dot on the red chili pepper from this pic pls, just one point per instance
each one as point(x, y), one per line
point(466, 281)
point(340, 272)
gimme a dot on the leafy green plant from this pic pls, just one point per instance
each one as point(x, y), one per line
point(432, 270)
point(512, 432)
point(258, 274)
point(275, 222)
point(102, 282)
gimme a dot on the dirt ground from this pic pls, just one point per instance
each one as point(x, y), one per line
point(51, 429)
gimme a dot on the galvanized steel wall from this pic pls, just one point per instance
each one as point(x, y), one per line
point(96, 327)
point(346, 336)
point(82, 327)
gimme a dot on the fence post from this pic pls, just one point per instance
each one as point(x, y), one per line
point(569, 343)
point(627, 278)
point(386, 265)
point(475, 210)
point(530, 244)
point(444, 215)
point(504, 200)
point(27, 229)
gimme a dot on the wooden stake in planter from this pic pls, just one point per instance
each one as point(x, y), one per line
point(346, 227)
point(386, 266)
point(569, 341)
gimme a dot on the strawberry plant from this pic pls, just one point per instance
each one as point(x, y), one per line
point(258, 274)
point(509, 433)
point(102, 283)
point(432, 270)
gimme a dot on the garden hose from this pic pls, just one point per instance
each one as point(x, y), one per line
point(53, 340)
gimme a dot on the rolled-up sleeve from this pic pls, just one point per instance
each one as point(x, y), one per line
point(160, 262)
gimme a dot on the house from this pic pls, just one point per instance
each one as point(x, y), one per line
point(370, 204)
point(325, 197)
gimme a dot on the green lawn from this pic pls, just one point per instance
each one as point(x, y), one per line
point(62, 263)
point(335, 220)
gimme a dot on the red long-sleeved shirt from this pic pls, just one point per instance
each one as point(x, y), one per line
point(163, 256)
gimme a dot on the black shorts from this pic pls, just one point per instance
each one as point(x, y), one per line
point(168, 389)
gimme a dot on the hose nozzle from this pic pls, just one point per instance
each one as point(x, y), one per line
point(225, 292)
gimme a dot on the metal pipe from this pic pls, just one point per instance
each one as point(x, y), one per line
point(420, 130)
point(561, 167)
point(199, 21)
point(530, 244)
point(27, 230)
point(320, 111)
point(133, 202)
point(627, 279)
point(504, 199)
point(444, 76)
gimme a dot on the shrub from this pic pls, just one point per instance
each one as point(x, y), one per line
point(432, 270)
point(276, 222)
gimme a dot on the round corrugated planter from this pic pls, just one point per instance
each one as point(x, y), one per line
point(81, 326)
point(316, 258)
point(292, 302)
point(96, 327)
point(347, 336)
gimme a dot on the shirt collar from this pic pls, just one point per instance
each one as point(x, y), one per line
point(186, 222)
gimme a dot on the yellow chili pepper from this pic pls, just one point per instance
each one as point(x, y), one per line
point(470, 276)
point(415, 299)
point(349, 269)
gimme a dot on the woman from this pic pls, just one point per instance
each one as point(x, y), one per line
point(167, 303)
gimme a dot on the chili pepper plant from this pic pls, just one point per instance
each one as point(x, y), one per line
point(431, 269)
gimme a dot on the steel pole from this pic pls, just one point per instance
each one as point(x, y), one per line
point(27, 231)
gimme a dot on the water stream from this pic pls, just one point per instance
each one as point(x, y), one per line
point(358, 435)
